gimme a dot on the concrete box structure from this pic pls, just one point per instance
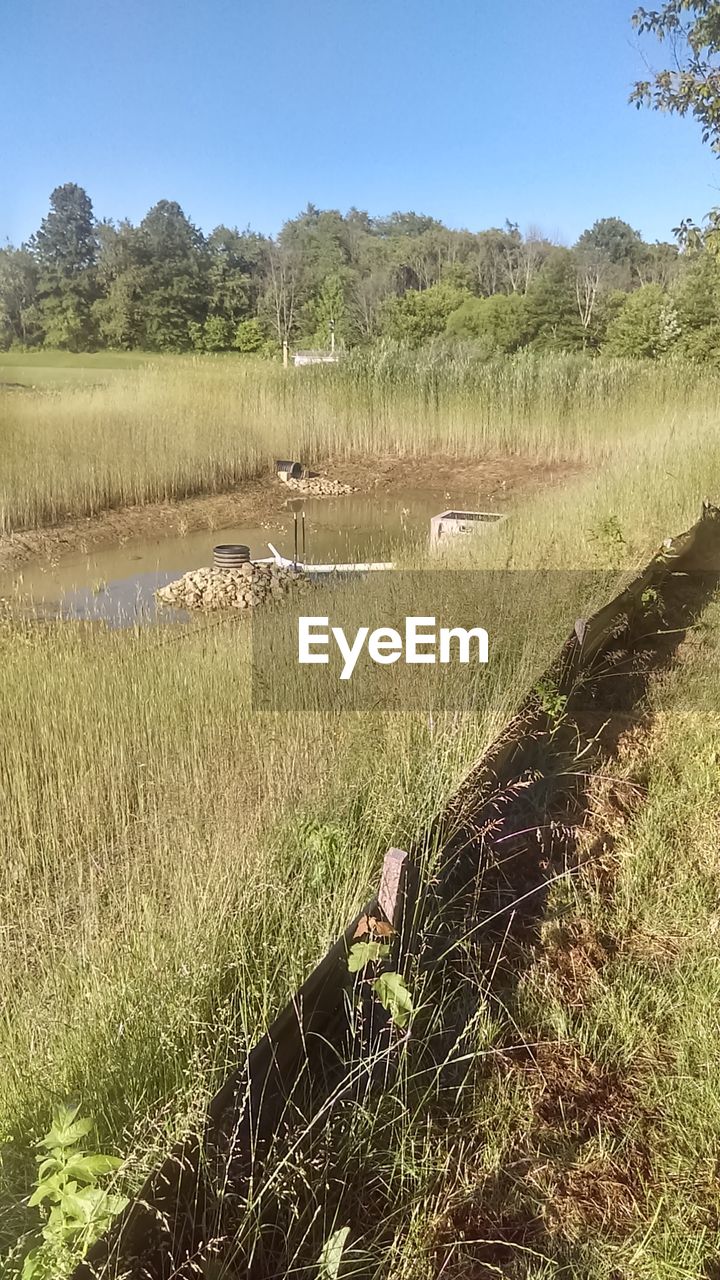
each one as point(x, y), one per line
point(315, 357)
point(450, 523)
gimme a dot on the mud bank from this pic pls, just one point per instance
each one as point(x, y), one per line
point(497, 479)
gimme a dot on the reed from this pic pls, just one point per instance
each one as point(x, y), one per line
point(172, 862)
point(177, 427)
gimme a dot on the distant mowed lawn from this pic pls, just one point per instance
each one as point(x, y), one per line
point(42, 368)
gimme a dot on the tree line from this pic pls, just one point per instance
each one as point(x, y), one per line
point(81, 284)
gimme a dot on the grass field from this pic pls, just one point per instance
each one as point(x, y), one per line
point(92, 436)
point(60, 369)
point(585, 1142)
point(164, 850)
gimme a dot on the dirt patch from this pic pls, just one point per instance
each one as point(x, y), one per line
point(571, 1093)
point(474, 1241)
point(492, 477)
point(578, 1166)
point(575, 954)
point(496, 479)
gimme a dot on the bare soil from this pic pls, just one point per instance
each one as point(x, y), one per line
point(500, 479)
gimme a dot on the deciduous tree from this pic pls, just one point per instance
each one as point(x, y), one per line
point(647, 324)
point(498, 323)
point(19, 320)
point(690, 85)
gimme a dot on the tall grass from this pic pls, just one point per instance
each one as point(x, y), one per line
point(179, 427)
point(172, 863)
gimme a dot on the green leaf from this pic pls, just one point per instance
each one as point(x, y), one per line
point(331, 1256)
point(60, 1137)
point(393, 994)
point(88, 1168)
point(49, 1189)
point(84, 1204)
point(362, 953)
point(115, 1204)
point(91, 1205)
point(33, 1265)
point(65, 1114)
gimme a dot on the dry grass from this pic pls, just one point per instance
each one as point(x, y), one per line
point(171, 863)
point(183, 426)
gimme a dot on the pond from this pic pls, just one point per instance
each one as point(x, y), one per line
point(117, 585)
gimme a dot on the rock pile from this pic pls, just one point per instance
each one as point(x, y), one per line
point(243, 588)
point(317, 486)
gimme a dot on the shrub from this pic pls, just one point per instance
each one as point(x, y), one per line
point(498, 323)
point(646, 325)
point(249, 337)
point(418, 316)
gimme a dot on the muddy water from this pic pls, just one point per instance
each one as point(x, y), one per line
point(116, 585)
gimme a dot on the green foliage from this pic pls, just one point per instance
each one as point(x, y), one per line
point(609, 532)
point(553, 321)
point(609, 540)
point(646, 325)
point(418, 316)
point(498, 323)
point(390, 988)
point(363, 953)
point(217, 334)
point(19, 276)
point(615, 240)
point(66, 241)
point(237, 261)
point(322, 847)
point(68, 321)
point(702, 345)
point(119, 315)
point(163, 286)
point(551, 700)
point(691, 85)
point(610, 305)
point(327, 313)
point(68, 1190)
point(650, 599)
point(392, 991)
point(174, 284)
point(696, 298)
point(122, 273)
point(249, 337)
point(319, 239)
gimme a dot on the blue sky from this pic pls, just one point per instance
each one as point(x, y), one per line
point(245, 110)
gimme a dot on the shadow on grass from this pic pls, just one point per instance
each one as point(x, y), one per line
point(347, 1153)
point(477, 929)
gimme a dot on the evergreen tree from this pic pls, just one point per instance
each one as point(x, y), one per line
point(551, 310)
point(615, 240)
point(163, 286)
point(174, 277)
point(65, 248)
point(67, 242)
